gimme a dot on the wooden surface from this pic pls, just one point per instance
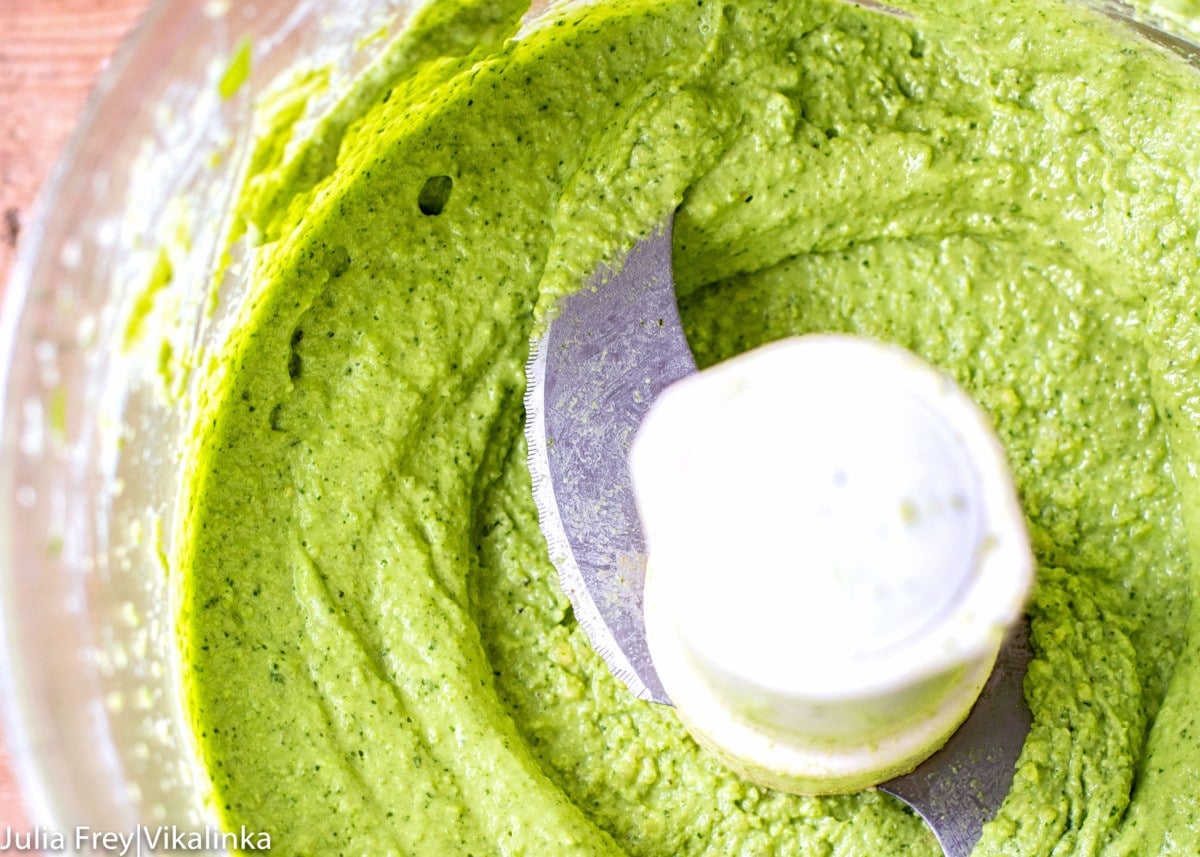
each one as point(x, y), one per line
point(51, 52)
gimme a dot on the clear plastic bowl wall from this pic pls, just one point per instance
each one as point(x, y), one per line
point(90, 469)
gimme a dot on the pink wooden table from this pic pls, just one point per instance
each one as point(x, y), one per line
point(51, 52)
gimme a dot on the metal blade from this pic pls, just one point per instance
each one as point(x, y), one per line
point(591, 378)
point(960, 787)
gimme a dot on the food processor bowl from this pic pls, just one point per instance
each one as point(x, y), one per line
point(97, 413)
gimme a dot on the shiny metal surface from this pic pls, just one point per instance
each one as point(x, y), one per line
point(591, 379)
point(959, 788)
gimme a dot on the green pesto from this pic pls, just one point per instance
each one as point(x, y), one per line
point(379, 658)
point(238, 70)
point(160, 277)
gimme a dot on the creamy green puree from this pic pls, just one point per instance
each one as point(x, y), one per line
point(379, 657)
